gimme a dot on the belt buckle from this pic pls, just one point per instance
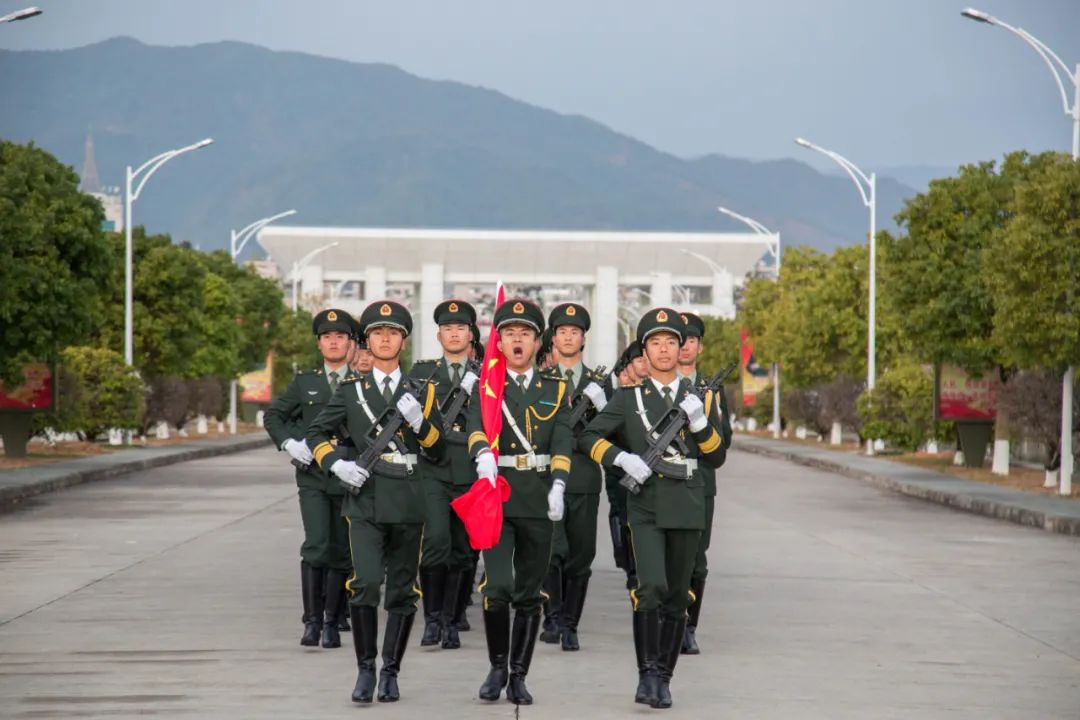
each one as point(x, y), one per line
point(521, 462)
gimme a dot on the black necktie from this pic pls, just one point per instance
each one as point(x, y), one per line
point(521, 383)
point(387, 393)
point(668, 400)
point(334, 380)
point(455, 373)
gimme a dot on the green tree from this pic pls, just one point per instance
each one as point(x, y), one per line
point(721, 345)
point(293, 346)
point(900, 408)
point(219, 332)
point(260, 306)
point(937, 279)
point(54, 258)
point(101, 392)
point(1033, 268)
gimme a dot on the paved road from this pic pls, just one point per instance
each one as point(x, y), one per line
point(173, 593)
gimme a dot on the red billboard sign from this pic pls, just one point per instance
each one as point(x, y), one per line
point(36, 392)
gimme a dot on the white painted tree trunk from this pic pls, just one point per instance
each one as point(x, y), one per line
point(259, 419)
point(836, 437)
point(932, 447)
point(800, 432)
point(1051, 479)
point(221, 427)
point(116, 436)
point(958, 458)
point(1000, 465)
point(751, 423)
point(201, 425)
point(161, 430)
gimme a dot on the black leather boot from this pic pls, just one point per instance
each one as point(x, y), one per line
point(395, 641)
point(365, 631)
point(647, 648)
point(573, 605)
point(689, 644)
point(432, 585)
point(343, 605)
point(335, 581)
point(451, 598)
point(311, 585)
point(671, 637)
point(461, 620)
point(497, 629)
point(553, 605)
point(522, 644)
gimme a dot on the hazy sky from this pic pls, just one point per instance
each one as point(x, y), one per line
point(884, 82)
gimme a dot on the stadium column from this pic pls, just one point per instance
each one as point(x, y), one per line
point(660, 292)
point(431, 294)
point(604, 335)
point(723, 292)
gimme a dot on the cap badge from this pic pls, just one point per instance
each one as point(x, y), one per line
point(519, 308)
point(452, 307)
point(571, 311)
point(661, 316)
point(385, 310)
point(331, 316)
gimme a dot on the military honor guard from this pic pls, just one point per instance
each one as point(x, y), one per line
point(447, 560)
point(534, 448)
point(692, 348)
point(568, 575)
point(392, 421)
point(324, 554)
point(664, 430)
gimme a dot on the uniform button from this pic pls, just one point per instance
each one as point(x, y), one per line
point(513, 445)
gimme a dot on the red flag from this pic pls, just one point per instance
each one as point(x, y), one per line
point(493, 382)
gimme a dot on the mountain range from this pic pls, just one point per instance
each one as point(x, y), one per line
point(369, 144)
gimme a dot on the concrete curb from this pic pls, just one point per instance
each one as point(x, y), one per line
point(19, 485)
point(1057, 515)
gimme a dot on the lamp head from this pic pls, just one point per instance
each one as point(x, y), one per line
point(977, 15)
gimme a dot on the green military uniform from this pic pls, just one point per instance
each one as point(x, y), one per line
point(446, 561)
point(386, 513)
point(532, 458)
point(324, 554)
point(695, 327)
point(567, 582)
point(617, 518)
point(666, 517)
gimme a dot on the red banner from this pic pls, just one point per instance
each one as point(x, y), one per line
point(492, 382)
point(962, 396)
point(754, 377)
point(35, 393)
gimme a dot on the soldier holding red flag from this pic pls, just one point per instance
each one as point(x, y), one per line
point(518, 428)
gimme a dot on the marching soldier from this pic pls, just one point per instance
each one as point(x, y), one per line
point(568, 578)
point(534, 456)
point(324, 554)
point(692, 348)
point(385, 504)
point(446, 563)
point(666, 509)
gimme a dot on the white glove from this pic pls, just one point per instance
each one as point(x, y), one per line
point(634, 466)
point(410, 408)
point(486, 467)
point(695, 412)
point(556, 506)
point(299, 450)
point(469, 381)
point(350, 473)
point(595, 393)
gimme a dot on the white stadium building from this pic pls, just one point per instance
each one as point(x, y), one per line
point(615, 274)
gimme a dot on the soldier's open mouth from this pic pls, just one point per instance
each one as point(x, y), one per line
point(518, 352)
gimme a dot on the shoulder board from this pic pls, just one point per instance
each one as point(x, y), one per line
point(424, 362)
point(551, 376)
point(313, 371)
point(630, 387)
point(350, 381)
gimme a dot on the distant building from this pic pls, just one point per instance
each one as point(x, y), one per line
point(265, 268)
point(615, 274)
point(109, 197)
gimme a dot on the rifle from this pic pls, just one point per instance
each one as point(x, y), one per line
point(580, 402)
point(381, 434)
point(455, 401)
point(670, 429)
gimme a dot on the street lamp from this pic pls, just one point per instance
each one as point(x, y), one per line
point(23, 14)
point(1054, 63)
point(237, 242)
point(868, 193)
point(300, 265)
point(150, 166)
point(775, 249)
